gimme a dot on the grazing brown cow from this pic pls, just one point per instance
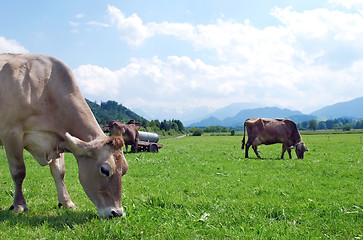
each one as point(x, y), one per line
point(129, 133)
point(270, 131)
point(43, 111)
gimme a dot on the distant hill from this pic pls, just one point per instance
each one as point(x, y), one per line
point(233, 109)
point(111, 110)
point(266, 112)
point(351, 109)
point(211, 121)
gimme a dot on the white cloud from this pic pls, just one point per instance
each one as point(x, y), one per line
point(95, 80)
point(11, 46)
point(321, 23)
point(304, 35)
point(74, 24)
point(349, 4)
point(100, 24)
point(304, 63)
point(180, 82)
point(80, 15)
point(131, 29)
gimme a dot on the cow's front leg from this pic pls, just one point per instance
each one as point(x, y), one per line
point(14, 154)
point(289, 152)
point(58, 170)
point(283, 151)
point(286, 148)
point(256, 152)
point(126, 147)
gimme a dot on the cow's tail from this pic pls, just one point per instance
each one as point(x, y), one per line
point(243, 139)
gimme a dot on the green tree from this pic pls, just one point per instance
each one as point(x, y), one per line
point(174, 126)
point(313, 124)
point(180, 125)
point(192, 129)
point(198, 132)
point(322, 125)
point(210, 129)
point(346, 127)
point(359, 124)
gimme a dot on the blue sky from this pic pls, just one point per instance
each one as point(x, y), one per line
point(178, 55)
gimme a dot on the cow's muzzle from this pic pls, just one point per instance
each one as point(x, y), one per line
point(111, 212)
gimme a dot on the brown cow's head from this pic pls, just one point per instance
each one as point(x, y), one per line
point(101, 165)
point(300, 148)
point(116, 128)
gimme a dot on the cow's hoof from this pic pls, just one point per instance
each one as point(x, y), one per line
point(70, 205)
point(19, 208)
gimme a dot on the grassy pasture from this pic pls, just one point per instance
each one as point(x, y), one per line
point(203, 188)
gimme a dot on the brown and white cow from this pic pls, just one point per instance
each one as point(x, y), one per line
point(43, 111)
point(128, 131)
point(270, 131)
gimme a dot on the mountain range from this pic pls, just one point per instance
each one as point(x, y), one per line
point(229, 116)
point(235, 114)
point(350, 109)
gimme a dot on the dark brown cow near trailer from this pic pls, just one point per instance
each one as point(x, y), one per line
point(128, 131)
point(270, 131)
point(43, 111)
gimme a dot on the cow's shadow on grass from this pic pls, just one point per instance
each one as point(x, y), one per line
point(61, 220)
point(268, 158)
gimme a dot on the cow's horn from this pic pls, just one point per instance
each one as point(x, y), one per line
point(78, 146)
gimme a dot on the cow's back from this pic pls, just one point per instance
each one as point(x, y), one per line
point(40, 101)
point(268, 131)
point(30, 85)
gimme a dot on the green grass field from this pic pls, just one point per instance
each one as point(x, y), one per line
point(203, 188)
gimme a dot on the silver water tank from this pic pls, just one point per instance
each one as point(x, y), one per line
point(148, 137)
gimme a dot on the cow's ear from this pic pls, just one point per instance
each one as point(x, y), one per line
point(116, 142)
point(77, 146)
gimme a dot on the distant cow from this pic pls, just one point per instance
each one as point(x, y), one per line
point(132, 121)
point(129, 133)
point(43, 111)
point(270, 131)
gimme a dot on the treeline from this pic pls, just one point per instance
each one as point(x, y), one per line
point(344, 124)
point(211, 129)
point(111, 110)
point(336, 124)
point(166, 127)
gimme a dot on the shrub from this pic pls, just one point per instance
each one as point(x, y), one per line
point(346, 127)
point(197, 132)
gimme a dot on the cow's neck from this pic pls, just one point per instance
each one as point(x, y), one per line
point(79, 120)
point(297, 139)
point(87, 128)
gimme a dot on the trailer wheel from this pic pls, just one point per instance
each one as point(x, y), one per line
point(153, 148)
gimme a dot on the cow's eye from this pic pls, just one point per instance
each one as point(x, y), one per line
point(105, 171)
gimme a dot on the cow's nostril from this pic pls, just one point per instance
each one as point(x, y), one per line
point(114, 214)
